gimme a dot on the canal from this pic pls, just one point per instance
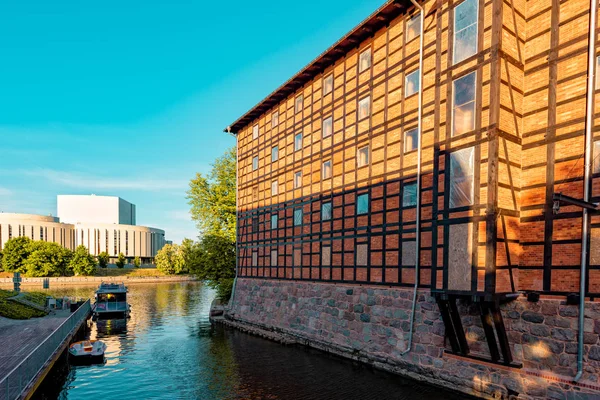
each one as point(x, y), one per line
point(168, 349)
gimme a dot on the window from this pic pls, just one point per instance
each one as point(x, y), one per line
point(411, 140)
point(255, 132)
point(274, 153)
point(273, 258)
point(254, 163)
point(362, 157)
point(297, 179)
point(413, 27)
point(274, 188)
point(596, 155)
point(273, 221)
point(41, 233)
point(362, 204)
point(9, 232)
point(465, 30)
point(365, 60)
point(364, 108)
point(255, 258)
point(298, 142)
point(598, 72)
point(326, 174)
point(463, 104)
point(461, 178)
point(327, 126)
point(326, 211)
point(327, 84)
point(275, 119)
point(298, 217)
point(411, 83)
point(298, 103)
point(409, 195)
point(255, 225)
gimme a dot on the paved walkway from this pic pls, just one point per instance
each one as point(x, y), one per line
point(20, 337)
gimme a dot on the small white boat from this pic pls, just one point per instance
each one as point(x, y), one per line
point(87, 351)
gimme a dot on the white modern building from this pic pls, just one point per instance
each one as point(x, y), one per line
point(100, 223)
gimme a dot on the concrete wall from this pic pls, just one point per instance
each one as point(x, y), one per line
point(372, 325)
point(98, 209)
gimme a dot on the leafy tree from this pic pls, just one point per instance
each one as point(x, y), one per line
point(103, 259)
point(48, 259)
point(121, 260)
point(212, 202)
point(216, 264)
point(169, 260)
point(212, 198)
point(137, 262)
point(1, 269)
point(82, 262)
point(16, 251)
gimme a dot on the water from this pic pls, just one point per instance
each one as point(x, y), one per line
point(168, 350)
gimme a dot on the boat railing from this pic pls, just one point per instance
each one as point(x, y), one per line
point(21, 378)
point(111, 306)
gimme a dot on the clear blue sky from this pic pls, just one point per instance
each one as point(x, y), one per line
point(129, 98)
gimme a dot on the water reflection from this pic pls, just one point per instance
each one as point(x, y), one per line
point(168, 349)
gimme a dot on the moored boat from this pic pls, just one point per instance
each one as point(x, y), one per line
point(111, 301)
point(87, 352)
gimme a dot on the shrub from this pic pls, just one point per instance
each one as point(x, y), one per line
point(103, 259)
point(137, 262)
point(121, 261)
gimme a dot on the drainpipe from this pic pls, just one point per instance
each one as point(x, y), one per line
point(589, 118)
point(418, 217)
point(231, 300)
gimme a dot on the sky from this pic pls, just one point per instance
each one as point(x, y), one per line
point(130, 98)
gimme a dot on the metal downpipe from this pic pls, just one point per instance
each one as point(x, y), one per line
point(589, 121)
point(231, 300)
point(418, 217)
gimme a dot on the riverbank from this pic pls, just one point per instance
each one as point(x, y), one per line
point(83, 280)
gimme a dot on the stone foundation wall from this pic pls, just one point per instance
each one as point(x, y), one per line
point(372, 324)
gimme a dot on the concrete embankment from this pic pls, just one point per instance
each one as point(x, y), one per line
point(83, 280)
point(371, 325)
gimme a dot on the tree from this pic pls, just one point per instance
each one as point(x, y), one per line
point(48, 259)
point(1, 255)
point(212, 202)
point(137, 262)
point(212, 198)
point(121, 260)
point(169, 260)
point(103, 259)
point(82, 262)
point(16, 251)
point(216, 264)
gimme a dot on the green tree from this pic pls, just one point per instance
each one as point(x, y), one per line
point(103, 259)
point(169, 260)
point(212, 202)
point(16, 251)
point(212, 198)
point(137, 262)
point(121, 260)
point(216, 264)
point(82, 262)
point(1, 255)
point(48, 259)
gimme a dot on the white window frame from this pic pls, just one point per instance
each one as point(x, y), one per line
point(363, 150)
point(298, 211)
point(274, 153)
point(406, 79)
point(453, 179)
point(274, 188)
point(298, 99)
point(330, 205)
point(325, 79)
point(412, 203)
point(254, 163)
point(323, 170)
point(329, 121)
point(474, 101)
point(364, 102)
point(297, 179)
point(416, 143)
point(296, 146)
point(365, 51)
point(409, 23)
point(255, 132)
point(274, 221)
point(454, 60)
point(368, 204)
point(274, 119)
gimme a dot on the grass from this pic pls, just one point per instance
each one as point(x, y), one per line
point(13, 310)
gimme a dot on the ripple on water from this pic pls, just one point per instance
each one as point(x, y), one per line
point(168, 350)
